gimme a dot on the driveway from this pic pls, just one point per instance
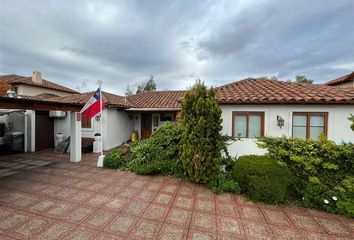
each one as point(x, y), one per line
point(44, 196)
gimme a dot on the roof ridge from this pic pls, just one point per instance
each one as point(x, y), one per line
point(341, 79)
point(18, 79)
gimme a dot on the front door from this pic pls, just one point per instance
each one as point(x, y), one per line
point(44, 131)
point(146, 125)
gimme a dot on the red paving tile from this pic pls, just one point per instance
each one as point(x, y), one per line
point(179, 216)
point(172, 232)
point(145, 229)
point(64, 200)
point(122, 225)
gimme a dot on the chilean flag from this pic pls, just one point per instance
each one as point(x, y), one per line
point(92, 107)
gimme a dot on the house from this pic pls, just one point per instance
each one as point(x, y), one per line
point(35, 85)
point(28, 123)
point(251, 108)
point(342, 82)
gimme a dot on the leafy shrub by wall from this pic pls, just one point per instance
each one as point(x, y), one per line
point(158, 154)
point(115, 159)
point(224, 182)
point(201, 143)
point(143, 152)
point(168, 137)
point(322, 171)
point(262, 178)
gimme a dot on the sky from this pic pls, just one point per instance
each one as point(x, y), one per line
point(76, 43)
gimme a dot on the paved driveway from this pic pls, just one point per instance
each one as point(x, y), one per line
point(47, 197)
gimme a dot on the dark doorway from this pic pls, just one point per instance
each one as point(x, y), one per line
point(146, 125)
point(44, 131)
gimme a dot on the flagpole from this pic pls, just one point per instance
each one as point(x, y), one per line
point(101, 157)
point(101, 118)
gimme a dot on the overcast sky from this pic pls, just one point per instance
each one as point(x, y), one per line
point(74, 43)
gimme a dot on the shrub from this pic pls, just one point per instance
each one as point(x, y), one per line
point(158, 167)
point(115, 159)
point(321, 170)
point(201, 143)
point(262, 178)
point(156, 154)
point(142, 152)
point(168, 136)
point(224, 183)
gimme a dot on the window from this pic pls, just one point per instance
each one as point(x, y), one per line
point(86, 123)
point(309, 125)
point(248, 124)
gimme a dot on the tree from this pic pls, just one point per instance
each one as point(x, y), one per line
point(351, 118)
point(129, 91)
point(148, 86)
point(4, 87)
point(201, 142)
point(303, 79)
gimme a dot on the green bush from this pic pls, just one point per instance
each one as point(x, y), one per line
point(224, 183)
point(201, 143)
point(115, 159)
point(262, 178)
point(321, 170)
point(142, 152)
point(156, 154)
point(158, 167)
point(168, 137)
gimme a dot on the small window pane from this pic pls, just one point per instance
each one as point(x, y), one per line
point(240, 125)
point(317, 120)
point(85, 123)
point(254, 126)
point(299, 120)
point(299, 132)
point(315, 132)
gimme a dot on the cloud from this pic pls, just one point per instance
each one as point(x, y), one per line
point(119, 42)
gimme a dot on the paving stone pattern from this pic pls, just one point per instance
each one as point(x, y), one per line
point(44, 196)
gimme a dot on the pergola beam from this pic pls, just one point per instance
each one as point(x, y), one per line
point(42, 105)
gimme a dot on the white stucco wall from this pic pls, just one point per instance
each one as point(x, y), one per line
point(338, 124)
point(137, 123)
point(346, 84)
point(62, 125)
point(33, 91)
point(118, 128)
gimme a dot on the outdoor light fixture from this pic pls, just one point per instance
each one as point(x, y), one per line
point(97, 118)
point(280, 121)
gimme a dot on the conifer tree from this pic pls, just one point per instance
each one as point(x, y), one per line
point(202, 142)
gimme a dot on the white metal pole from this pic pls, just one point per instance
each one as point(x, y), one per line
point(101, 118)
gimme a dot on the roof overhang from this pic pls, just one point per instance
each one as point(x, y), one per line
point(9, 111)
point(153, 109)
point(37, 104)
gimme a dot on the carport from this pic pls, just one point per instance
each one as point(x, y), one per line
point(29, 103)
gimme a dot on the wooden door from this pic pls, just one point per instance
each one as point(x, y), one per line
point(44, 131)
point(146, 125)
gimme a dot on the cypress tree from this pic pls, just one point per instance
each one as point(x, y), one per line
point(201, 143)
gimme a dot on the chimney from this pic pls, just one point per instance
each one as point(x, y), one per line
point(37, 77)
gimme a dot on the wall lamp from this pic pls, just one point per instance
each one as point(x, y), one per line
point(280, 121)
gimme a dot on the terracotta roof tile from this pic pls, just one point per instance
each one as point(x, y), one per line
point(342, 79)
point(111, 100)
point(260, 90)
point(157, 99)
point(247, 91)
point(16, 79)
point(45, 96)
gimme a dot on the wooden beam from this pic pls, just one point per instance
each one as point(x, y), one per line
point(31, 104)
